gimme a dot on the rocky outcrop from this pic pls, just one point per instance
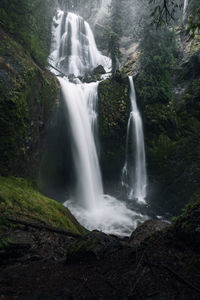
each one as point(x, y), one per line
point(29, 99)
point(145, 230)
point(113, 117)
point(95, 245)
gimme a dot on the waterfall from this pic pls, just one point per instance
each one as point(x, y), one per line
point(74, 51)
point(73, 48)
point(134, 176)
point(81, 118)
point(184, 9)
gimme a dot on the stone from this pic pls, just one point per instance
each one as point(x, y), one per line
point(94, 245)
point(99, 70)
point(145, 230)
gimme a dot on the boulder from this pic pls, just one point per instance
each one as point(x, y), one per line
point(145, 230)
point(99, 70)
point(94, 245)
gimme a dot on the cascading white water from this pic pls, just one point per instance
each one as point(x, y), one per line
point(185, 5)
point(74, 51)
point(134, 176)
point(73, 48)
point(80, 118)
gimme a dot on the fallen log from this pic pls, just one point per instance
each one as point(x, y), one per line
point(45, 227)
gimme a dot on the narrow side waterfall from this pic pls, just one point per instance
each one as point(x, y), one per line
point(134, 177)
point(74, 51)
point(185, 5)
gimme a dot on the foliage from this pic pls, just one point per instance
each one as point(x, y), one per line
point(194, 22)
point(113, 33)
point(28, 97)
point(157, 57)
point(187, 225)
point(29, 22)
point(165, 10)
point(172, 141)
point(19, 199)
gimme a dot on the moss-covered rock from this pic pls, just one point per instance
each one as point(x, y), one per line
point(20, 200)
point(29, 22)
point(113, 118)
point(93, 245)
point(29, 97)
point(187, 225)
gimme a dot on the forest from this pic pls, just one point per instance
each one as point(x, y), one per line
point(100, 149)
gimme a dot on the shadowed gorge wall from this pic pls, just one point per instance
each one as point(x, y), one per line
point(29, 96)
point(172, 125)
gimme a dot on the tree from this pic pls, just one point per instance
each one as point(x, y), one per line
point(165, 10)
point(158, 50)
point(114, 32)
point(30, 24)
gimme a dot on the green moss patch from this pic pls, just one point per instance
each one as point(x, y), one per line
point(20, 200)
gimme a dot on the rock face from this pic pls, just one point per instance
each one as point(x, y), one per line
point(113, 117)
point(29, 98)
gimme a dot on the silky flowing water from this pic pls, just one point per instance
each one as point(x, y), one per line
point(134, 177)
point(74, 51)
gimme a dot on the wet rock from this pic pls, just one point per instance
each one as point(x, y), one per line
point(95, 245)
point(145, 230)
point(71, 77)
point(99, 70)
point(89, 77)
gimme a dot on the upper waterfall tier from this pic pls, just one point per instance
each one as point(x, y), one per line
point(73, 48)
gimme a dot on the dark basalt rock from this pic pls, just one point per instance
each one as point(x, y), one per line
point(95, 245)
point(71, 77)
point(89, 77)
point(99, 70)
point(145, 230)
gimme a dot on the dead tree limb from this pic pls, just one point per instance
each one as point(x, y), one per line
point(45, 227)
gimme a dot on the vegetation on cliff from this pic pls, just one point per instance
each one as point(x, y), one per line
point(21, 201)
point(28, 98)
point(29, 23)
point(113, 117)
point(168, 91)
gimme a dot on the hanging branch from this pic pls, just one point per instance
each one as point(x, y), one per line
point(163, 13)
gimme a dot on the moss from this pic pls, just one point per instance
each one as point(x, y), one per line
point(81, 246)
point(30, 24)
point(28, 97)
point(187, 225)
point(114, 109)
point(189, 220)
point(19, 199)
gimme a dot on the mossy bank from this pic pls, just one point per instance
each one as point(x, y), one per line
point(21, 201)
